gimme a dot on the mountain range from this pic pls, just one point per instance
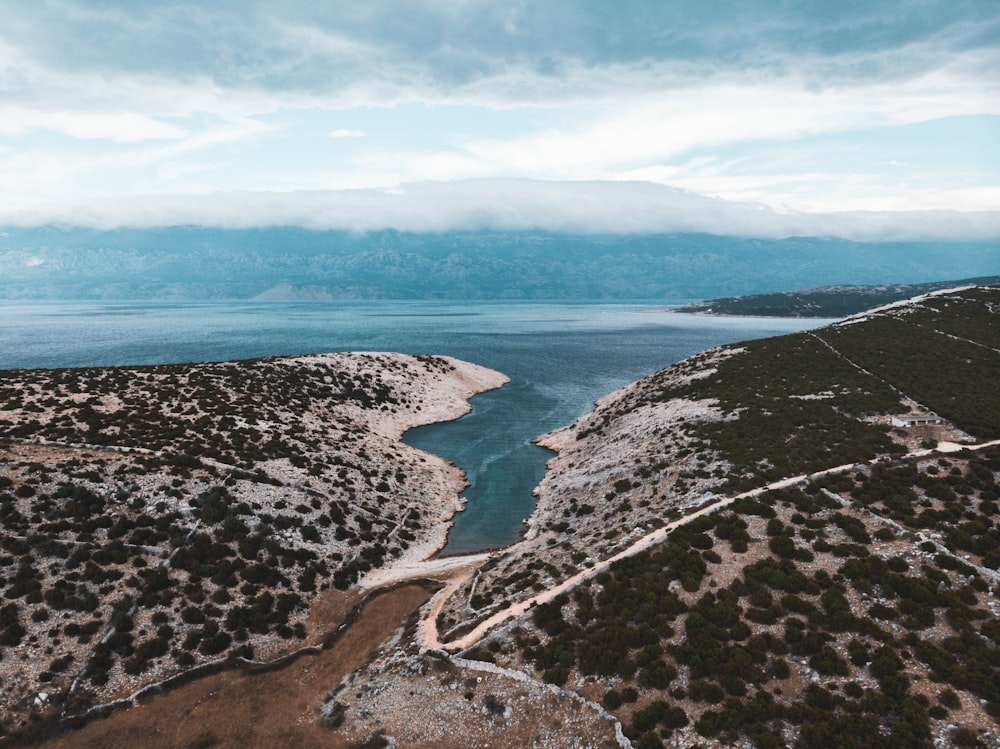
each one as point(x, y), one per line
point(287, 263)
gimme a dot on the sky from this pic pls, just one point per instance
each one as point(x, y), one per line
point(861, 118)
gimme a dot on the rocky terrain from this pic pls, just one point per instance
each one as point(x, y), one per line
point(740, 417)
point(858, 610)
point(797, 581)
point(156, 519)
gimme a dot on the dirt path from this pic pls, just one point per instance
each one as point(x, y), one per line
point(250, 711)
point(429, 625)
point(281, 707)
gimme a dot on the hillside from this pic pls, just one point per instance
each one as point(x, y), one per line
point(739, 417)
point(296, 264)
point(860, 602)
point(826, 301)
point(156, 519)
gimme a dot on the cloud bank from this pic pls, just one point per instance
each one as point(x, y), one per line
point(513, 205)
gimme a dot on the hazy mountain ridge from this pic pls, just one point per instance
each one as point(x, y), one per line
point(293, 263)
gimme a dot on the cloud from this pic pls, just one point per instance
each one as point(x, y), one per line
point(513, 205)
point(199, 97)
point(644, 129)
point(345, 133)
point(344, 54)
point(122, 127)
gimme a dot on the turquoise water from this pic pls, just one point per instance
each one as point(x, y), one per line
point(560, 357)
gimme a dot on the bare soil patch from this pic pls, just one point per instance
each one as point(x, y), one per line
point(240, 709)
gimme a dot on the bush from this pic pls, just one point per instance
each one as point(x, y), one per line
point(783, 546)
point(675, 717)
point(885, 663)
point(215, 643)
point(193, 615)
point(779, 668)
point(649, 741)
point(657, 675)
point(828, 663)
point(858, 652)
point(557, 675)
point(647, 718)
point(700, 690)
point(853, 689)
point(949, 699)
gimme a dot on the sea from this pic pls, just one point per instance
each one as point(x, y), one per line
point(560, 358)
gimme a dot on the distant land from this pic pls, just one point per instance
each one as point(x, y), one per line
point(825, 301)
point(284, 263)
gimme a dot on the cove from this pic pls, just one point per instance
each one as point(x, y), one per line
point(492, 445)
point(560, 356)
point(556, 375)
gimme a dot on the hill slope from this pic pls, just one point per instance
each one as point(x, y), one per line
point(858, 603)
point(757, 555)
point(158, 518)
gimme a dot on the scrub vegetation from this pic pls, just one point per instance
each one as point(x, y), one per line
point(806, 618)
point(857, 609)
point(158, 518)
point(804, 606)
point(825, 301)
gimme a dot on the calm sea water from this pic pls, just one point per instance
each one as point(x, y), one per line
point(560, 357)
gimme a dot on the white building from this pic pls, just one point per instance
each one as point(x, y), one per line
point(913, 420)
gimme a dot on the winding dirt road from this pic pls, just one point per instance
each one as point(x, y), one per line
point(459, 569)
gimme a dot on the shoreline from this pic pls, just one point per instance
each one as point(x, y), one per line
point(465, 381)
point(699, 313)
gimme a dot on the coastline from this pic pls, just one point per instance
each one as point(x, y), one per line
point(447, 399)
point(588, 463)
point(703, 313)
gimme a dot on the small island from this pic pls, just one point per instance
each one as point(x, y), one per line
point(825, 301)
